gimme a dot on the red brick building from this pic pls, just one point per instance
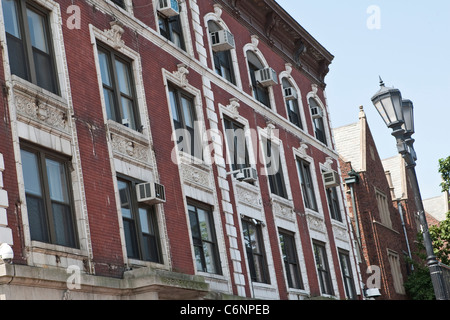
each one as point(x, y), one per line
point(381, 207)
point(138, 142)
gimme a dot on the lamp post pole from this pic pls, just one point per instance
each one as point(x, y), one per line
point(398, 115)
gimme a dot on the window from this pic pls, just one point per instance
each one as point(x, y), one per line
point(184, 119)
point(346, 269)
point(396, 272)
point(118, 88)
point(171, 29)
point(120, 3)
point(48, 197)
point(254, 246)
point(323, 270)
point(333, 203)
point(204, 238)
point(237, 146)
point(291, 99)
point(383, 208)
point(28, 37)
point(139, 224)
point(222, 59)
point(291, 266)
point(274, 168)
point(306, 184)
point(317, 115)
point(260, 92)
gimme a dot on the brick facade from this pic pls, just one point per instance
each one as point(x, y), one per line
point(101, 151)
point(380, 236)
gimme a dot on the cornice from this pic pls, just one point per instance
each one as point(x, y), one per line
point(283, 34)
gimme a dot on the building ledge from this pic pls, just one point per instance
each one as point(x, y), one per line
point(27, 282)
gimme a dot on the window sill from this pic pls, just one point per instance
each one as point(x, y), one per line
point(54, 249)
point(134, 263)
point(385, 226)
point(31, 89)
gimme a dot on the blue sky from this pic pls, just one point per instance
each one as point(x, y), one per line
point(410, 50)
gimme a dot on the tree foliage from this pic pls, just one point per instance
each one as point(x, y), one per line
point(419, 285)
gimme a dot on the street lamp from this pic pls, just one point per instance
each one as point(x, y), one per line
point(398, 115)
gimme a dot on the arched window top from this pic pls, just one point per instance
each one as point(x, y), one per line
point(254, 60)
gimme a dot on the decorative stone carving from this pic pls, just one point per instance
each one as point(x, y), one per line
point(124, 146)
point(248, 197)
point(181, 74)
point(233, 107)
point(302, 150)
point(340, 232)
point(315, 223)
point(115, 34)
point(283, 210)
point(218, 11)
point(42, 113)
point(255, 43)
point(193, 175)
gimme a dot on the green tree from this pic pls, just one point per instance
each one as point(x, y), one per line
point(418, 285)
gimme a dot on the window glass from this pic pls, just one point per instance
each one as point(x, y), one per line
point(104, 68)
point(123, 77)
point(11, 18)
point(38, 32)
point(49, 205)
point(31, 173)
point(57, 181)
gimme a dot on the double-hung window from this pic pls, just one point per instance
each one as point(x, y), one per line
point(29, 41)
point(204, 238)
point(319, 126)
point(118, 88)
point(291, 99)
point(347, 274)
point(333, 203)
point(323, 269)
point(274, 168)
point(48, 196)
point(222, 59)
point(237, 146)
point(171, 29)
point(260, 92)
point(254, 246)
point(307, 185)
point(139, 224)
point(291, 266)
point(184, 120)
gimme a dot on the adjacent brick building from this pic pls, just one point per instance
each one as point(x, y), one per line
point(195, 102)
point(381, 206)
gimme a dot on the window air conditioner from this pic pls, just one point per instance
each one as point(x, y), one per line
point(150, 193)
point(290, 93)
point(316, 112)
point(266, 77)
point(169, 8)
point(331, 179)
point(250, 174)
point(222, 40)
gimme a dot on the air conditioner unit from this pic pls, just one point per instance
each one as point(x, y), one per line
point(266, 77)
point(331, 179)
point(290, 93)
point(250, 174)
point(316, 112)
point(150, 193)
point(169, 8)
point(222, 40)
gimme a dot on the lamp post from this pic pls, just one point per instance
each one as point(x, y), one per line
point(398, 115)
